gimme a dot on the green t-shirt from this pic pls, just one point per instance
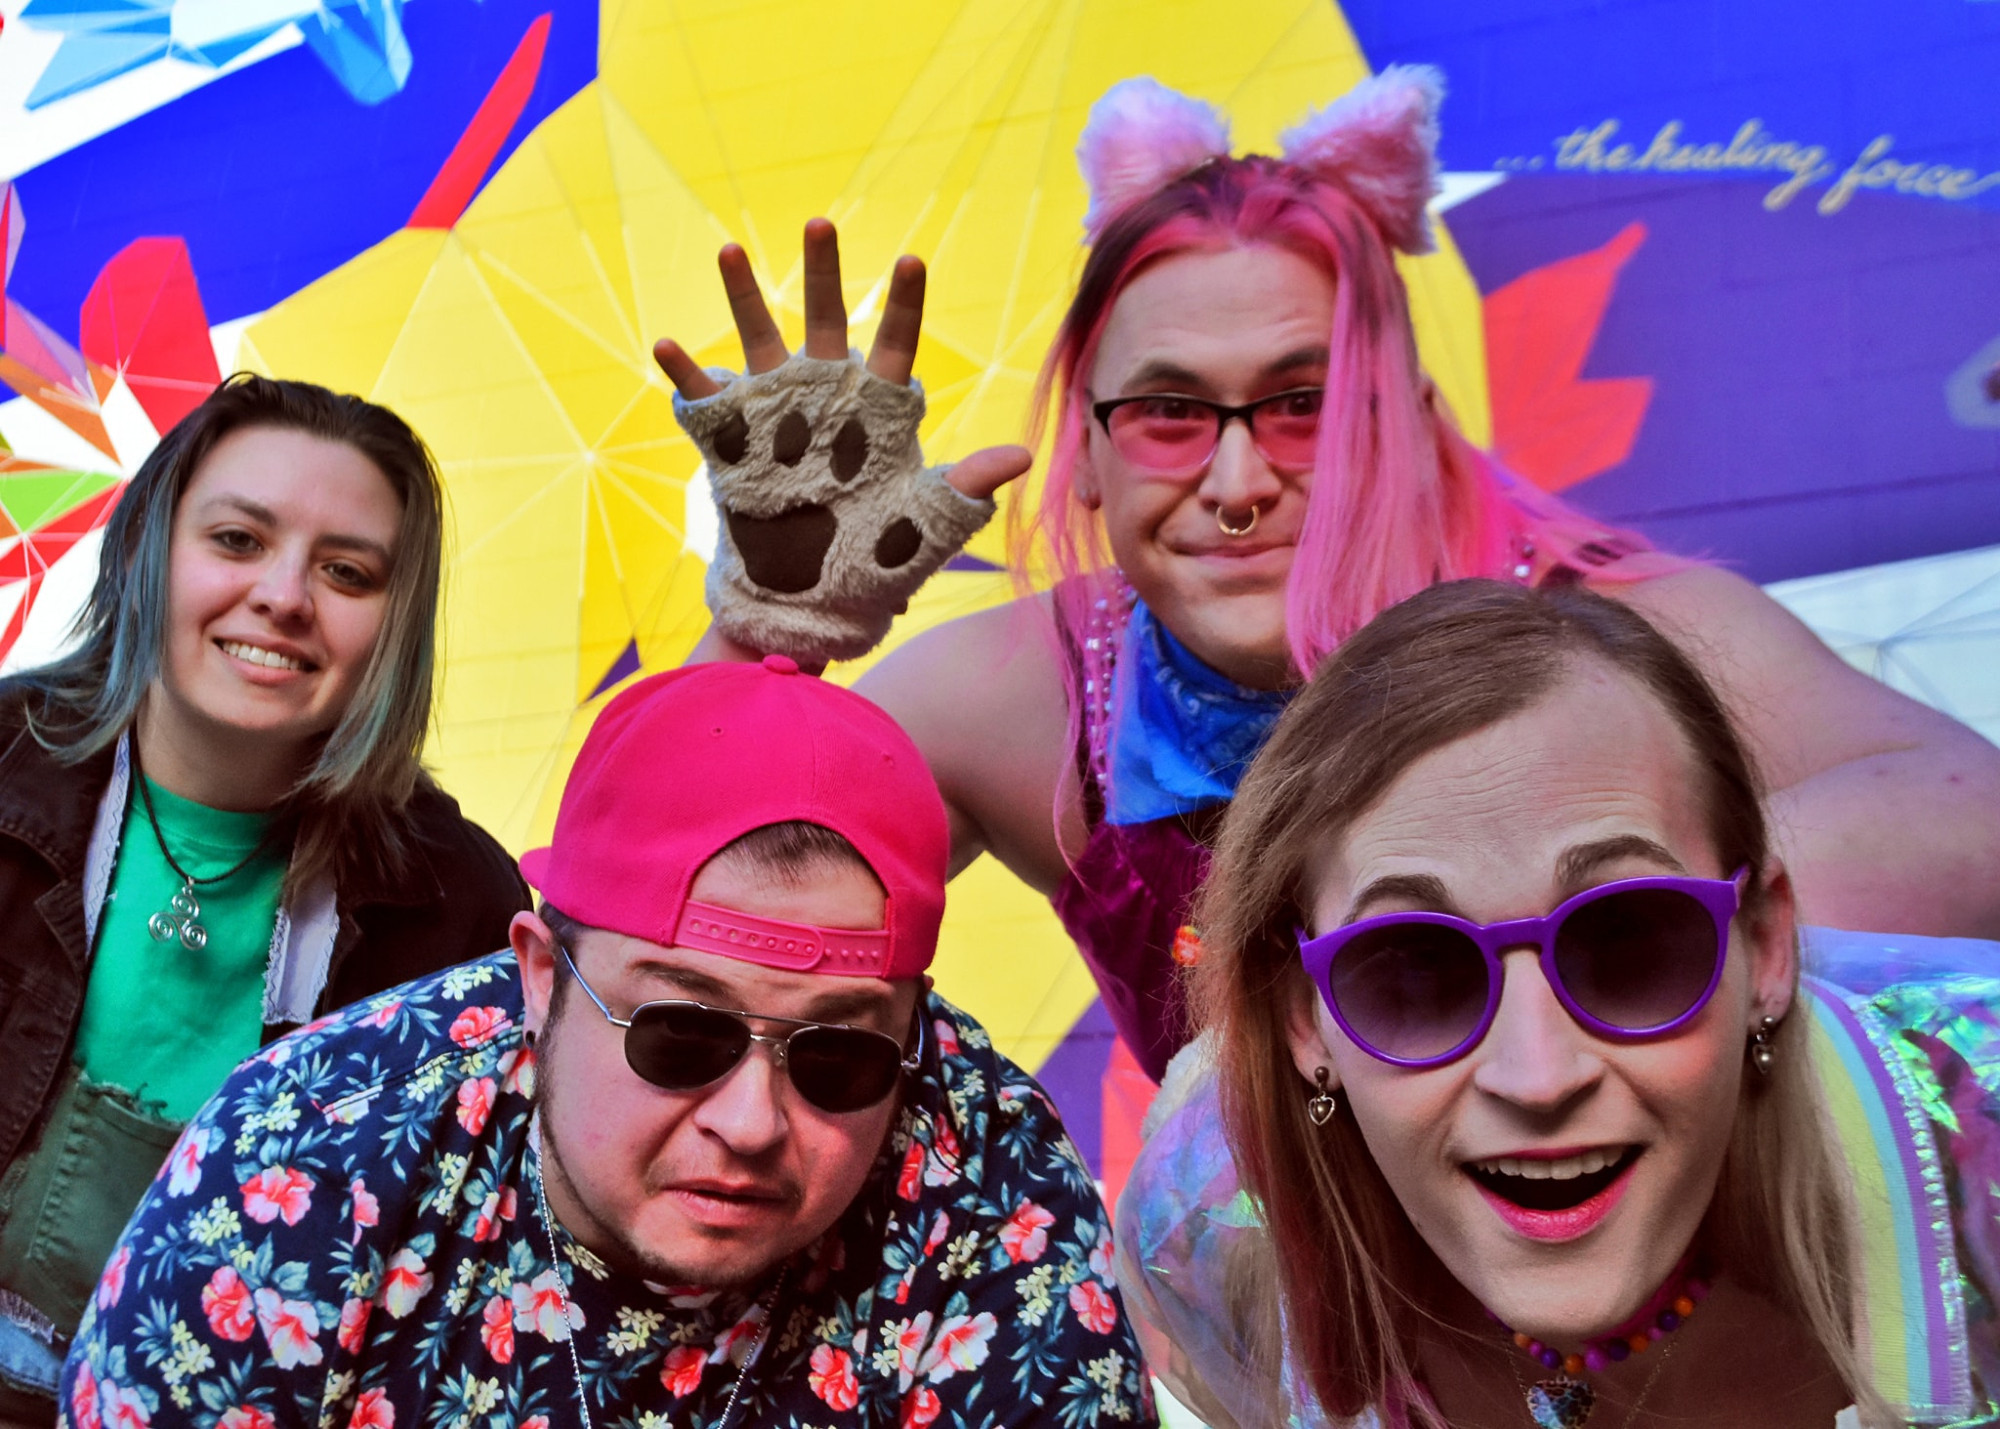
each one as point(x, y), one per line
point(161, 1021)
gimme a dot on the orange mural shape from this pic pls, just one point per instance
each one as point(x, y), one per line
point(1550, 423)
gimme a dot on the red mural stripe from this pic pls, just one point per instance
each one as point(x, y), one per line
point(18, 621)
point(465, 169)
point(83, 518)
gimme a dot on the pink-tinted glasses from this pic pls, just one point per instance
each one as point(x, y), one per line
point(1628, 960)
point(1166, 434)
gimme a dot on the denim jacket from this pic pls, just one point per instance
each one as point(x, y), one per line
point(58, 830)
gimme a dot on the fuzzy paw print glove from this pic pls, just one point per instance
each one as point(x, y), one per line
point(829, 518)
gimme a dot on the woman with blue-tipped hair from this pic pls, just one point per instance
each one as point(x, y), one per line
point(214, 825)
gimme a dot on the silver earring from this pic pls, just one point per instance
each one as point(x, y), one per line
point(1763, 1056)
point(1322, 1105)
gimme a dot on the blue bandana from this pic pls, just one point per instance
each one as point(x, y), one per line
point(1181, 734)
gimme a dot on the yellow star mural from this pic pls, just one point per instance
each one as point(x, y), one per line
point(517, 341)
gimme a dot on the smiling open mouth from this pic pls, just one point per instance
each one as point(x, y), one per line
point(1552, 1185)
point(258, 655)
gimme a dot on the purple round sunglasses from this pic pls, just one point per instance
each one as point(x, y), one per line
point(1628, 960)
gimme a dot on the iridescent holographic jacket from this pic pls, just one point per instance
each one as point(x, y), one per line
point(1908, 1047)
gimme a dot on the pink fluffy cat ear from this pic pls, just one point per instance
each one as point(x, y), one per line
point(1141, 136)
point(1379, 142)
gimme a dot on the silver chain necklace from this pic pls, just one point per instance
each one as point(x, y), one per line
point(180, 920)
point(769, 1305)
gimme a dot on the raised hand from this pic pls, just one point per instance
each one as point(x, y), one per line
point(892, 357)
point(830, 520)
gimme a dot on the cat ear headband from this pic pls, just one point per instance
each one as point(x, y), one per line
point(1378, 142)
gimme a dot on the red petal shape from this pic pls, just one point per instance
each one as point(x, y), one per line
point(143, 318)
point(10, 240)
point(30, 558)
point(1551, 425)
point(84, 517)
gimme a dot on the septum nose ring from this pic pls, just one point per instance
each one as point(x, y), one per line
point(1222, 521)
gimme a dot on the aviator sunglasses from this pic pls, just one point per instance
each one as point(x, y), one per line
point(684, 1046)
point(1628, 960)
point(1166, 434)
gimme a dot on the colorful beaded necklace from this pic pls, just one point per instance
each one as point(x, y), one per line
point(1565, 1401)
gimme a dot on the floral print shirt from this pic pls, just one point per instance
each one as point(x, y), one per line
point(347, 1237)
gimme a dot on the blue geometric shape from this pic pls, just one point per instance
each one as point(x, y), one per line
point(220, 51)
point(273, 174)
point(1799, 421)
point(1073, 1076)
point(1526, 73)
point(89, 15)
point(87, 59)
point(362, 43)
point(626, 664)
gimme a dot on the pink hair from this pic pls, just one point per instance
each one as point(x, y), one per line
point(1401, 499)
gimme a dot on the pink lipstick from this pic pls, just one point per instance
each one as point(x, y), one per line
point(1567, 1223)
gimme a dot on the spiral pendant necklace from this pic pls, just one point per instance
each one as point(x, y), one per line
point(180, 920)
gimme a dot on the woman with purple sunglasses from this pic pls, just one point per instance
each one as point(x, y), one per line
point(1509, 1085)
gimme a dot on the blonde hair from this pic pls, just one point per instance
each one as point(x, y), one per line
point(1450, 661)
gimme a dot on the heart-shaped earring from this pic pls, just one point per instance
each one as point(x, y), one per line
point(1322, 1105)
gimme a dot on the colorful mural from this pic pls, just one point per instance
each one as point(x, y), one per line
point(1733, 280)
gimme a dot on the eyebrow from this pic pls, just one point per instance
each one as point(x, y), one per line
point(1160, 369)
point(361, 544)
point(1579, 864)
point(1315, 355)
point(1575, 870)
point(835, 1006)
point(1425, 890)
point(256, 511)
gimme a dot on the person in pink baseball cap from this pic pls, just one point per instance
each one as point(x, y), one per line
point(745, 857)
point(701, 1148)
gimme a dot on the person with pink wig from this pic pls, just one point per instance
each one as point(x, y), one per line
point(1248, 463)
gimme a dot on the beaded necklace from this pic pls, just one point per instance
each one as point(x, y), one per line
point(1565, 1401)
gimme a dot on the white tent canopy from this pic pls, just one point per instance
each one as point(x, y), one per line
point(1928, 627)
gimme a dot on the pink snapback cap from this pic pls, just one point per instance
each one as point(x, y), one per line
point(685, 762)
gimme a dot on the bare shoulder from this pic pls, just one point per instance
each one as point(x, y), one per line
point(1766, 662)
point(972, 679)
point(1708, 609)
point(983, 696)
point(1803, 708)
